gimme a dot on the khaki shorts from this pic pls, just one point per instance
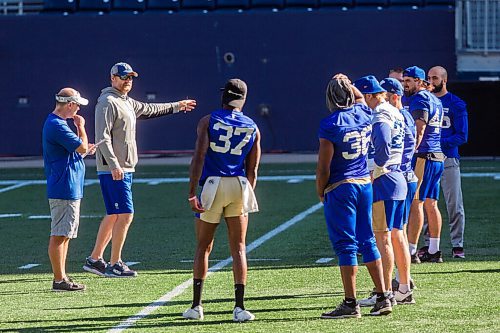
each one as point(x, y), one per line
point(65, 217)
point(228, 201)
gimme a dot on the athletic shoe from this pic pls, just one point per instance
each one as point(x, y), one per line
point(369, 301)
point(415, 259)
point(241, 315)
point(119, 270)
point(381, 308)
point(392, 299)
point(195, 313)
point(404, 298)
point(422, 250)
point(458, 252)
point(436, 257)
point(395, 284)
point(343, 311)
point(97, 267)
point(67, 285)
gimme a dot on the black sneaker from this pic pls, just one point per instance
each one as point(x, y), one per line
point(381, 308)
point(436, 257)
point(458, 252)
point(120, 270)
point(67, 285)
point(415, 259)
point(392, 299)
point(97, 267)
point(343, 311)
point(422, 250)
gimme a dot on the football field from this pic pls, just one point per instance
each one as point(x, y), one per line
point(292, 275)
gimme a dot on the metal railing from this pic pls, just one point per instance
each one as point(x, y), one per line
point(20, 7)
point(478, 26)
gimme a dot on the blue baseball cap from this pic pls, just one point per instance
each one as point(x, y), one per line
point(392, 85)
point(122, 69)
point(368, 85)
point(415, 72)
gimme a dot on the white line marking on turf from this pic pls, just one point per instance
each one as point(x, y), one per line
point(28, 266)
point(248, 259)
point(323, 260)
point(132, 263)
point(13, 187)
point(41, 217)
point(2, 216)
point(221, 264)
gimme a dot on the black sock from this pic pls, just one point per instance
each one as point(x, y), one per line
point(197, 288)
point(380, 297)
point(239, 293)
point(350, 302)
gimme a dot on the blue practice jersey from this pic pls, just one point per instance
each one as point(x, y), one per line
point(231, 135)
point(349, 130)
point(64, 167)
point(455, 125)
point(409, 141)
point(427, 107)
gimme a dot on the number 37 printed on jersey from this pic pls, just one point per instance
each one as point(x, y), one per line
point(225, 138)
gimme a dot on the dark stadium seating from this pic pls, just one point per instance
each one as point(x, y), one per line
point(302, 3)
point(439, 2)
point(164, 4)
point(407, 2)
point(98, 5)
point(201, 4)
point(139, 5)
point(268, 3)
point(371, 2)
point(326, 3)
point(60, 5)
point(233, 3)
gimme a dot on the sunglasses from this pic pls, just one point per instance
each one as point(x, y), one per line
point(125, 77)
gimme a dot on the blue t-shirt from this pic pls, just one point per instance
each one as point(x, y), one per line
point(455, 125)
point(409, 141)
point(349, 130)
point(427, 107)
point(231, 135)
point(64, 167)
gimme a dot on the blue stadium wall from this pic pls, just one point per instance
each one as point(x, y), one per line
point(286, 57)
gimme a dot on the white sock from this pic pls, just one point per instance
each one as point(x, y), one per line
point(413, 248)
point(433, 245)
point(404, 288)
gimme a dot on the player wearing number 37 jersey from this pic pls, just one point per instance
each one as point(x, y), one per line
point(225, 164)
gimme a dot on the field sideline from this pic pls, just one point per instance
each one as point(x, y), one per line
point(287, 288)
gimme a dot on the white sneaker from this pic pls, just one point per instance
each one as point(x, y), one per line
point(196, 313)
point(241, 315)
point(404, 298)
point(369, 301)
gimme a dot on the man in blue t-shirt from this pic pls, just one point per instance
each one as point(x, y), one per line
point(225, 163)
point(427, 111)
point(454, 133)
point(343, 185)
point(65, 172)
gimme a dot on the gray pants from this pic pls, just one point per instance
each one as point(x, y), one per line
point(452, 191)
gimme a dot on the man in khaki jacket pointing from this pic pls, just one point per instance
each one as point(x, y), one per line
point(115, 124)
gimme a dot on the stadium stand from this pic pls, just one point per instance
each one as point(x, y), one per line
point(440, 2)
point(16, 7)
point(371, 2)
point(406, 2)
point(268, 3)
point(198, 4)
point(344, 3)
point(164, 4)
point(138, 5)
point(95, 5)
point(233, 3)
point(60, 5)
point(301, 3)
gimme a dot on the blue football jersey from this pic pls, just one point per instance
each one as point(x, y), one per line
point(231, 135)
point(409, 141)
point(455, 124)
point(424, 105)
point(349, 130)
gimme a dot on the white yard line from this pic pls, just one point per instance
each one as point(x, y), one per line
point(28, 266)
point(248, 259)
point(2, 216)
point(186, 284)
point(323, 260)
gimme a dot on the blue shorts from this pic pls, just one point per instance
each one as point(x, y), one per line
point(429, 177)
point(388, 214)
point(412, 189)
point(348, 214)
point(117, 194)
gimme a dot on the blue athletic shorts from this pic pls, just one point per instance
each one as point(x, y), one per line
point(348, 214)
point(429, 176)
point(117, 194)
point(412, 189)
point(388, 214)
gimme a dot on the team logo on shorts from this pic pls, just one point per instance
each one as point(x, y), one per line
point(116, 205)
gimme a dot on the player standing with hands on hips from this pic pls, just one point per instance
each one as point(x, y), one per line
point(225, 163)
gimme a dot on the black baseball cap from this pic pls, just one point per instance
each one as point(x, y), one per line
point(234, 93)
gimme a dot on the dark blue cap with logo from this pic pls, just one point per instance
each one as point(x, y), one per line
point(392, 85)
point(415, 72)
point(368, 85)
point(122, 69)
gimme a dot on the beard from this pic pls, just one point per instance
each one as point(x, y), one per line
point(438, 88)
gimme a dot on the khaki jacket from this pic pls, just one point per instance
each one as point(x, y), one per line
point(115, 119)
